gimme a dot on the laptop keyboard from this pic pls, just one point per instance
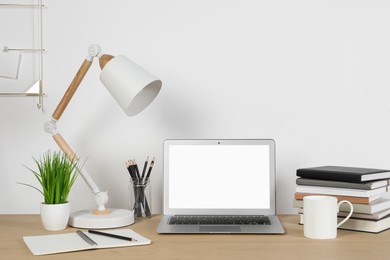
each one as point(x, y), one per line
point(219, 220)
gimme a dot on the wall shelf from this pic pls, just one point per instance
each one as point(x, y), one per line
point(24, 49)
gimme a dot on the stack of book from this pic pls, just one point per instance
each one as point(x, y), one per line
point(363, 187)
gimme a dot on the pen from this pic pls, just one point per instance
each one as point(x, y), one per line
point(109, 235)
point(86, 238)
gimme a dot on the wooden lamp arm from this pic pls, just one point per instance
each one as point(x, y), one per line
point(65, 147)
point(71, 89)
point(72, 156)
point(93, 51)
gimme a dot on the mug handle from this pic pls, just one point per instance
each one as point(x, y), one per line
point(350, 212)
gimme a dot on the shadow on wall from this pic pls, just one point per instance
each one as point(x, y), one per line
point(180, 115)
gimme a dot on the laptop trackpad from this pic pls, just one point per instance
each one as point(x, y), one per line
point(219, 229)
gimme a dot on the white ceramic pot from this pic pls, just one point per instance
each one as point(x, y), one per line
point(55, 216)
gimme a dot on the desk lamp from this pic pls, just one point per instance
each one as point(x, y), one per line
point(134, 89)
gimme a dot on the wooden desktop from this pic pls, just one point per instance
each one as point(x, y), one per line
point(292, 245)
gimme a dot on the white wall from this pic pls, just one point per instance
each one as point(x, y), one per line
point(311, 74)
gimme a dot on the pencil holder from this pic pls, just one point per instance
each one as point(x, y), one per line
point(140, 197)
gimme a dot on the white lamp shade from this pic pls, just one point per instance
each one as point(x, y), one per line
point(132, 87)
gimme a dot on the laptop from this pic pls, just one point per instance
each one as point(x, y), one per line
point(219, 186)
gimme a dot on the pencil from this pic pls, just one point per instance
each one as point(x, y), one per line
point(144, 169)
point(130, 170)
point(150, 170)
point(135, 166)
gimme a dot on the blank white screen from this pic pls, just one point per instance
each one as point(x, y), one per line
point(219, 177)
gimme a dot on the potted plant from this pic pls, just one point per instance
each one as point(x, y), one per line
point(56, 174)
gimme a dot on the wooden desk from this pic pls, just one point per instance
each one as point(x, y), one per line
point(293, 245)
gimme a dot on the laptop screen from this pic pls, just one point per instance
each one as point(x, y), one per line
point(219, 176)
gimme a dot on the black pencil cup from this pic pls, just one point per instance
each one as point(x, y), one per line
point(140, 198)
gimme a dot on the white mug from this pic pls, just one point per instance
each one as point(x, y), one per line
point(320, 216)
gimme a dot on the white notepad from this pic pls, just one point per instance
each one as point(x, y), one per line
point(69, 242)
point(9, 65)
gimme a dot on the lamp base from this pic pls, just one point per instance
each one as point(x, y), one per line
point(86, 219)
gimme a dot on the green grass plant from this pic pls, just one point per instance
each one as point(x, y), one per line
point(56, 175)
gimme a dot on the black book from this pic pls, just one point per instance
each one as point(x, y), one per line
point(340, 173)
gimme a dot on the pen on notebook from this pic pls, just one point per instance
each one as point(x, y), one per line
point(110, 235)
point(86, 238)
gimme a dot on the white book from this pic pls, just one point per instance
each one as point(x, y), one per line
point(374, 206)
point(372, 226)
point(364, 225)
point(69, 242)
point(375, 216)
point(340, 191)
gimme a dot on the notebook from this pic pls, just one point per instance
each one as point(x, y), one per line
point(70, 242)
point(219, 186)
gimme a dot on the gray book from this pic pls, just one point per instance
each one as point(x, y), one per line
point(342, 184)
